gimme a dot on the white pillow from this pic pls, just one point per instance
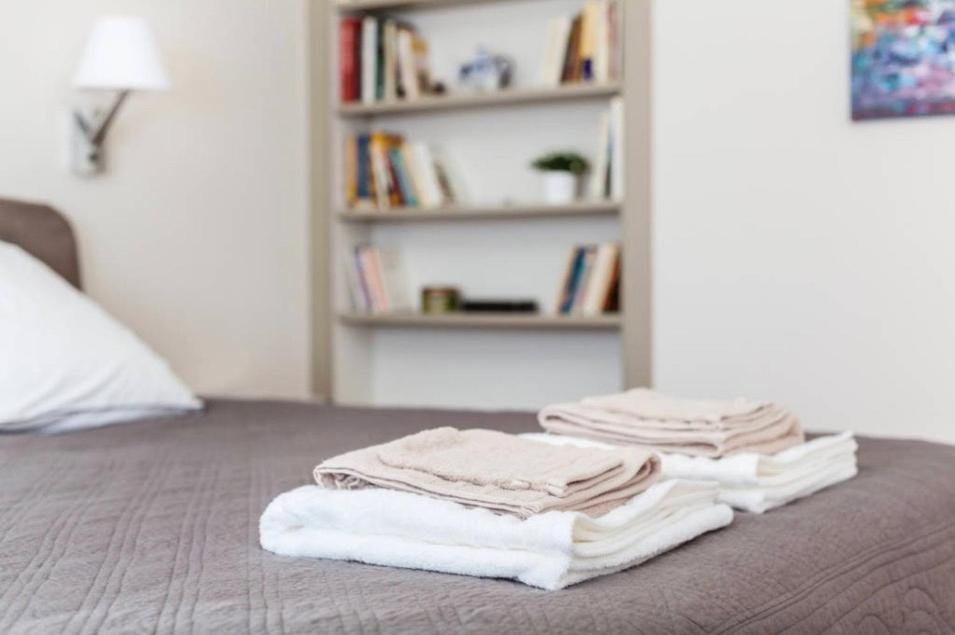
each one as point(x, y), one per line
point(65, 364)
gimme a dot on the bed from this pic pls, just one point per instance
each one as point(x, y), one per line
point(152, 527)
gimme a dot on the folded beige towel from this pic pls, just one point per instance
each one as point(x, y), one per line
point(649, 404)
point(708, 428)
point(498, 471)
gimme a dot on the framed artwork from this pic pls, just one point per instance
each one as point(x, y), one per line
point(903, 58)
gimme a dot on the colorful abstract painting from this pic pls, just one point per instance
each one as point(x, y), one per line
point(903, 58)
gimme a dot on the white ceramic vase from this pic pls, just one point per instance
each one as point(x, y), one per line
point(560, 188)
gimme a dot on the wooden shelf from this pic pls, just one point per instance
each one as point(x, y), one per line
point(345, 350)
point(379, 5)
point(482, 320)
point(503, 212)
point(463, 101)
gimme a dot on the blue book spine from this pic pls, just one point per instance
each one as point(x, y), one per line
point(363, 160)
point(404, 181)
point(573, 281)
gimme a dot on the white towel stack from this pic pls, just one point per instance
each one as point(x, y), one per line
point(756, 482)
point(550, 550)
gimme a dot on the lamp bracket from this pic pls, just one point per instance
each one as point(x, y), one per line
point(88, 137)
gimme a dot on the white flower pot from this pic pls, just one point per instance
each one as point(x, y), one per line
point(560, 188)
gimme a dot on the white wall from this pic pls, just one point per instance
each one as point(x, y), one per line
point(197, 236)
point(798, 256)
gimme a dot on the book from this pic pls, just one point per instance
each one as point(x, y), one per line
point(562, 304)
point(407, 69)
point(363, 291)
point(571, 67)
point(601, 164)
point(357, 292)
point(382, 59)
point(369, 51)
point(452, 176)
point(586, 45)
point(580, 292)
point(428, 183)
point(410, 165)
point(601, 41)
point(422, 71)
point(591, 281)
point(444, 181)
point(600, 279)
point(351, 171)
point(390, 66)
point(384, 171)
point(612, 301)
point(371, 273)
point(555, 49)
point(573, 280)
point(394, 186)
point(380, 172)
point(379, 60)
point(405, 187)
point(376, 280)
point(364, 183)
point(498, 306)
point(349, 30)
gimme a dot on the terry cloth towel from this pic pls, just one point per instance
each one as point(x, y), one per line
point(551, 550)
point(499, 471)
point(697, 427)
point(757, 482)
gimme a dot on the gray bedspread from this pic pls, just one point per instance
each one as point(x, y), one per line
point(152, 527)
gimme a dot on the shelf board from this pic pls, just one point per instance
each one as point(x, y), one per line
point(522, 211)
point(462, 101)
point(379, 5)
point(482, 320)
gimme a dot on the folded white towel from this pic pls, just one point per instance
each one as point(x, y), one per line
point(551, 550)
point(757, 482)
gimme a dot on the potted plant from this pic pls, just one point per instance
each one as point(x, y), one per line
point(561, 171)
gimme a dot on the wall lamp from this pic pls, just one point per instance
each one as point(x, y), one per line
point(121, 56)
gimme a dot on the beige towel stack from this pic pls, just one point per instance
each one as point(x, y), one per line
point(645, 418)
point(489, 504)
point(497, 471)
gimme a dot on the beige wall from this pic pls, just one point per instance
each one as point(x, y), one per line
point(798, 256)
point(197, 236)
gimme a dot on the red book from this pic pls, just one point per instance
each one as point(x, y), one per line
point(349, 39)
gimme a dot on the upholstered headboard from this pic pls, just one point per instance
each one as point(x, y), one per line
point(43, 232)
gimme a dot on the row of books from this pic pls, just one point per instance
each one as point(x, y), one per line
point(382, 171)
point(607, 172)
point(376, 281)
point(591, 283)
point(381, 59)
point(584, 47)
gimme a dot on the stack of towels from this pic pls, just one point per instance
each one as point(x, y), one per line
point(756, 451)
point(485, 503)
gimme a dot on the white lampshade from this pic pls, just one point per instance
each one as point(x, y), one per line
point(121, 54)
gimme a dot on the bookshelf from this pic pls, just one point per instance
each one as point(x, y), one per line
point(511, 97)
point(494, 212)
point(379, 5)
point(356, 354)
point(478, 320)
